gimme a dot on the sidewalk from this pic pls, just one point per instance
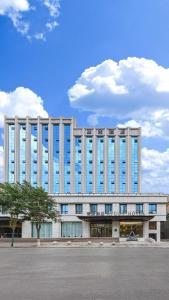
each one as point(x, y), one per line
point(85, 244)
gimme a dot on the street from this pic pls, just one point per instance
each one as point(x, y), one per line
point(74, 274)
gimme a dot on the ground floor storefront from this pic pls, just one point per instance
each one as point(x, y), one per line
point(120, 230)
point(6, 231)
point(117, 216)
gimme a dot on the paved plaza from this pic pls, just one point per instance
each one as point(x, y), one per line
point(82, 273)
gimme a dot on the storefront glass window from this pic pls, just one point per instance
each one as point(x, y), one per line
point(126, 228)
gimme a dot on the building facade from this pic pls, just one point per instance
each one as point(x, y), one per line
point(93, 173)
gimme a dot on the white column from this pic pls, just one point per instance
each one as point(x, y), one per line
point(6, 151)
point(56, 230)
point(146, 230)
point(86, 229)
point(26, 229)
point(115, 229)
point(158, 231)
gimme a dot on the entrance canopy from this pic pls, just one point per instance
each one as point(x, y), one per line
point(115, 218)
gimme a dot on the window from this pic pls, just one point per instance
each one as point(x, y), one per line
point(93, 208)
point(123, 208)
point(108, 208)
point(79, 208)
point(152, 208)
point(139, 208)
point(153, 225)
point(64, 209)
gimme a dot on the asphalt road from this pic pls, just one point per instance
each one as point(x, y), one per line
point(90, 274)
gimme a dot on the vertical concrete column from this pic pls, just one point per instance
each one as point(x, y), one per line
point(56, 230)
point(158, 231)
point(117, 161)
point(39, 146)
point(17, 147)
point(61, 156)
point(146, 230)
point(26, 229)
point(50, 156)
point(72, 157)
point(105, 161)
point(94, 158)
point(6, 151)
point(128, 161)
point(116, 229)
point(139, 161)
point(28, 149)
point(86, 229)
point(83, 175)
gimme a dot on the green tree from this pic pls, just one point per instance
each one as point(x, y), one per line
point(40, 207)
point(11, 199)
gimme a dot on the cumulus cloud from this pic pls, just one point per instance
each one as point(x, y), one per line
point(13, 5)
point(21, 102)
point(155, 170)
point(126, 89)
point(134, 89)
point(24, 16)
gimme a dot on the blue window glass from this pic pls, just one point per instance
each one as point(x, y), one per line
point(122, 164)
point(152, 208)
point(89, 164)
point(34, 154)
point(78, 164)
point(79, 208)
point(67, 158)
point(64, 209)
point(111, 165)
point(123, 208)
point(100, 164)
point(11, 158)
point(22, 153)
point(56, 158)
point(134, 164)
point(45, 157)
point(108, 208)
point(93, 208)
point(139, 208)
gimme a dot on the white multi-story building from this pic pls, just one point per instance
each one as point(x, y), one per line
point(93, 173)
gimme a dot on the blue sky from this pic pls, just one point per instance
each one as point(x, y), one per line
point(88, 33)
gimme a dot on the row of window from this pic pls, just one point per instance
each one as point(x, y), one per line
point(108, 208)
point(78, 160)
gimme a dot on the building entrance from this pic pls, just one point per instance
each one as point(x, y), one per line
point(101, 229)
point(128, 227)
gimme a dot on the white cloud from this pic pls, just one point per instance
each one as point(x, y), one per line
point(14, 9)
point(24, 16)
point(51, 25)
point(148, 128)
point(134, 89)
point(53, 7)
point(155, 170)
point(126, 89)
point(7, 6)
point(21, 102)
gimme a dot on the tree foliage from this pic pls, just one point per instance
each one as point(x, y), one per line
point(12, 202)
point(22, 201)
